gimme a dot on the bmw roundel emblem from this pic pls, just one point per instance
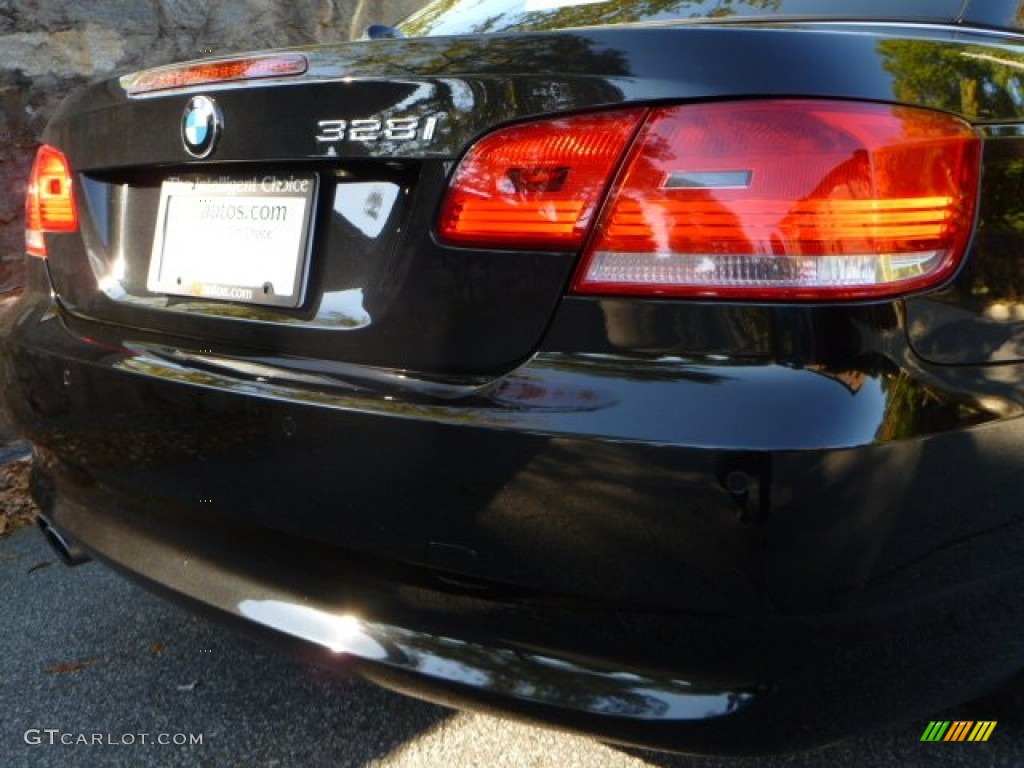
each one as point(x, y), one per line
point(201, 126)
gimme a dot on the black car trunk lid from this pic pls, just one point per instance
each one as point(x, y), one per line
point(372, 286)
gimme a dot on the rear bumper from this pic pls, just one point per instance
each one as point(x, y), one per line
point(715, 557)
point(676, 681)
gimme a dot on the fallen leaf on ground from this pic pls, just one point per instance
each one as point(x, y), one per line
point(17, 510)
point(74, 666)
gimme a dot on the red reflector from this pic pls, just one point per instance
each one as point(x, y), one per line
point(787, 199)
point(536, 185)
point(223, 70)
point(49, 203)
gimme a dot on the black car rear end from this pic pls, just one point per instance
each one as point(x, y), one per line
point(695, 518)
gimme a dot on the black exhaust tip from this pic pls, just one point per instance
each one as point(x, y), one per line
point(68, 550)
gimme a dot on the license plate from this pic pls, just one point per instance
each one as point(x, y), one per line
point(244, 239)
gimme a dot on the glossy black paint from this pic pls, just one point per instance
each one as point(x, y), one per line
point(442, 456)
point(736, 524)
point(979, 318)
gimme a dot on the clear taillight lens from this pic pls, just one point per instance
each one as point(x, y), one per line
point(787, 199)
point(536, 185)
point(49, 203)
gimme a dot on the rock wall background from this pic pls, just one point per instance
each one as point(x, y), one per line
point(48, 47)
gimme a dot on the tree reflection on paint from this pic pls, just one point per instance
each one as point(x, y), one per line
point(477, 17)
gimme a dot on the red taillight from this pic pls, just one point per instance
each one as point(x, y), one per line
point(793, 199)
point(223, 70)
point(49, 204)
point(536, 185)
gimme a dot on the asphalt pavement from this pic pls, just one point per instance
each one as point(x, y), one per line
point(98, 672)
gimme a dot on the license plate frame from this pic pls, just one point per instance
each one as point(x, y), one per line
point(243, 239)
